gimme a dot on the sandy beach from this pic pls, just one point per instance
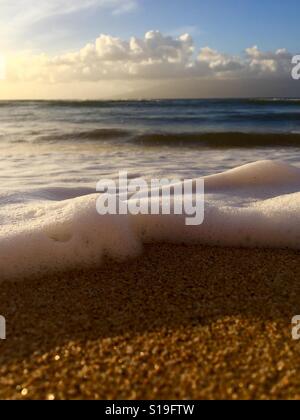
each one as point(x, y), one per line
point(178, 323)
point(149, 202)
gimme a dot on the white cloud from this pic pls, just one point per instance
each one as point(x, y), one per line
point(124, 6)
point(31, 11)
point(152, 57)
point(254, 64)
point(219, 63)
point(276, 63)
point(18, 16)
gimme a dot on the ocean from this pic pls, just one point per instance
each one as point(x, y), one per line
point(53, 153)
point(46, 145)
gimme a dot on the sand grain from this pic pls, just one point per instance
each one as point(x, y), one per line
point(182, 322)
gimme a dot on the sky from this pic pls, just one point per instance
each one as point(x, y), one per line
point(111, 48)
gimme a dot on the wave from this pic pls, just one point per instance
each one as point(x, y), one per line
point(274, 101)
point(94, 135)
point(9, 197)
point(256, 205)
point(220, 139)
point(255, 117)
point(151, 102)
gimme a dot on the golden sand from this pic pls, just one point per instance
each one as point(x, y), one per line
point(180, 322)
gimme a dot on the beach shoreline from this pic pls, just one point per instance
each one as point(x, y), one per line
point(179, 322)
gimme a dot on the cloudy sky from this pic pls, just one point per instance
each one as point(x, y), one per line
point(148, 48)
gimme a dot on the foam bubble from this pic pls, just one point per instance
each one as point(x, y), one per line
point(256, 205)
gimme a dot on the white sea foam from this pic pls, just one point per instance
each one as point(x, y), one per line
point(256, 205)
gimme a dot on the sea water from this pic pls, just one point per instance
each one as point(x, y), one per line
point(54, 153)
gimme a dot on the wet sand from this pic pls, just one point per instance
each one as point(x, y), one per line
point(178, 323)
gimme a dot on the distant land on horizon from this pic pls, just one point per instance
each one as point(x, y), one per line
point(185, 89)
